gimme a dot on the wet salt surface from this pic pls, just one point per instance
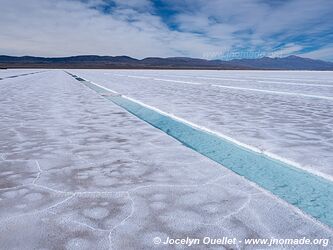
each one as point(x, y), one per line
point(294, 127)
point(82, 173)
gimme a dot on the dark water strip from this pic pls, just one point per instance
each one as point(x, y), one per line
point(14, 76)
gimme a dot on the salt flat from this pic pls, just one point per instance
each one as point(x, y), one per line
point(286, 113)
point(79, 172)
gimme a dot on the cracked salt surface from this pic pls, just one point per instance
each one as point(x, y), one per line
point(81, 173)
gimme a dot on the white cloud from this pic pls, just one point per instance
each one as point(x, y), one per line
point(69, 27)
point(288, 49)
point(261, 26)
point(61, 28)
point(325, 53)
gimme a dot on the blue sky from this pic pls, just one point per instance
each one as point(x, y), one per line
point(211, 29)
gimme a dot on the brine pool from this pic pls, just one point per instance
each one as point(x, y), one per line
point(310, 193)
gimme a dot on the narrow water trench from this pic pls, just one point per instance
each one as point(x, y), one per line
point(310, 193)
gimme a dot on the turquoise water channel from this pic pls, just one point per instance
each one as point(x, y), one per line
point(308, 192)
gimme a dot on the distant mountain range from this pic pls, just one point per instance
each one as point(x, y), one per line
point(125, 62)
